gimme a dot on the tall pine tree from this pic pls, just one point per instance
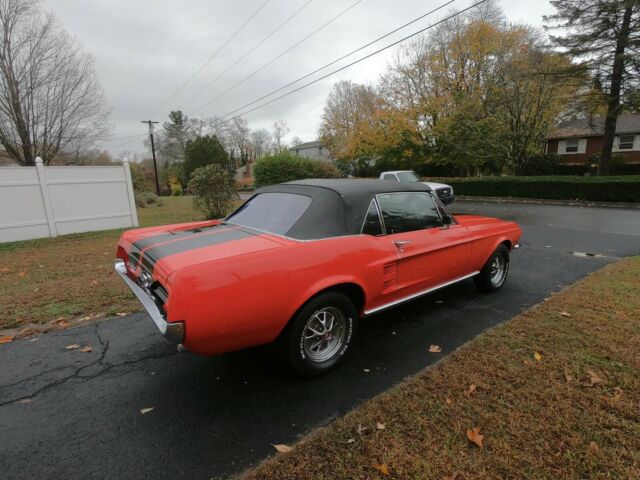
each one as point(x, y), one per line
point(604, 36)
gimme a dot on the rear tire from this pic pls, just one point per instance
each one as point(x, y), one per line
point(495, 271)
point(321, 333)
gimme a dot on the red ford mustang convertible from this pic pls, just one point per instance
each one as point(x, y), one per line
point(302, 262)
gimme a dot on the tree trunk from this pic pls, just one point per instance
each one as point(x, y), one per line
point(613, 105)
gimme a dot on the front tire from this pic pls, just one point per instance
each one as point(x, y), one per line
point(321, 333)
point(495, 271)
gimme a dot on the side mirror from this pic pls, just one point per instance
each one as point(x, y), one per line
point(447, 219)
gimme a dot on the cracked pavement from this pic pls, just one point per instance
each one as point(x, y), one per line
point(69, 414)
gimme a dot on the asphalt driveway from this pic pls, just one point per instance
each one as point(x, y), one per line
point(69, 414)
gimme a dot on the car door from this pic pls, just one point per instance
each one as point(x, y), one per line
point(430, 252)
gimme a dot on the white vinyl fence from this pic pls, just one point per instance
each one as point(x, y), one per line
point(41, 201)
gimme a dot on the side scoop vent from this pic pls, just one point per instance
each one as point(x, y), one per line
point(389, 275)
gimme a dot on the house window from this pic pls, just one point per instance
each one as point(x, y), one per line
point(626, 142)
point(572, 145)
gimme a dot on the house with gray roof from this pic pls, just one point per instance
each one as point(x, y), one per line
point(577, 140)
point(314, 150)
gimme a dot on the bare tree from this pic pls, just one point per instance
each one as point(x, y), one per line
point(280, 130)
point(239, 136)
point(50, 97)
point(261, 142)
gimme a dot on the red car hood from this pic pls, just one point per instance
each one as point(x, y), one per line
point(475, 220)
point(164, 250)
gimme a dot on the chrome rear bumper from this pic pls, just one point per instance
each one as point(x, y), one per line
point(173, 331)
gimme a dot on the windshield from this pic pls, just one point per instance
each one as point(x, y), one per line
point(408, 177)
point(271, 212)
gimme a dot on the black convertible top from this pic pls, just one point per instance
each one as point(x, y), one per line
point(338, 207)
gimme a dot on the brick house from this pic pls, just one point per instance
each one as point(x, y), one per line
point(577, 140)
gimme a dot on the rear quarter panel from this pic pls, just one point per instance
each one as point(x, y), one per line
point(248, 299)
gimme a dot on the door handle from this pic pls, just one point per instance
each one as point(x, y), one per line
point(400, 244)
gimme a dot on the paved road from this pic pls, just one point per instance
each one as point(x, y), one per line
point(214, 417)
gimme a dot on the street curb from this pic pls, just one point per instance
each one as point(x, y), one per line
point(540, 201)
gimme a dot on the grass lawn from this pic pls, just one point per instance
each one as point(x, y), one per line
point(72, 276)
point(555, 393)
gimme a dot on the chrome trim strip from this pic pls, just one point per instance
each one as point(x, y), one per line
point(419, 294)
point(174, 331)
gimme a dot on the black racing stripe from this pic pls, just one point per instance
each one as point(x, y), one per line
point(139, 245)
point(154, 254)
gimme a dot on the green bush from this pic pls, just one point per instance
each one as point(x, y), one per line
point(543, 164)
point(284, 167)
point(605, 189)
point(144, 199)
point(213, 190)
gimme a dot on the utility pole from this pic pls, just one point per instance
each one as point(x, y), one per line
point(153, 152)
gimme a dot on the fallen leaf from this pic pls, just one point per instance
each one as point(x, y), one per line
point(565, 314)
point(146, 410)
point(25, 401)
point(282, 448)
point(73, 346)
point(617, 395)
point(351, 440)
point(452, 477)
point(84, 319)
point(121, 314)
point(94, 283)
point(435, 349)
point(86, 349)
point(448, 401)
point(6, 339)
point(384, 469)
point(568, 377)
point(22, 273)
point(594, 378)
point(380, 426)
point(361, 429)
point(526, 362)
point(4, 270)
point(537, 356)
point(475, 436)
point(593, 447)
point(471, 390)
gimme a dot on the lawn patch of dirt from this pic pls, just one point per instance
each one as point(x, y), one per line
point(553, 393)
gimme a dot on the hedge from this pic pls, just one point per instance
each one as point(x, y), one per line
point(284, 167)
point(604, 189)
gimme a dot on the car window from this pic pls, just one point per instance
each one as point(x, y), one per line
point(408, 211)
point(372, 225)
point(389, 176)
point(271, 212)
point(408, 177)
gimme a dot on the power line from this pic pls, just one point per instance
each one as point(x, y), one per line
point(355, 62)
point(343, 57)
point(278, 57)
point(294, 14)
point(212, 57)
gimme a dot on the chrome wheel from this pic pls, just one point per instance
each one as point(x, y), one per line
point(324, 334)
point(498, 270)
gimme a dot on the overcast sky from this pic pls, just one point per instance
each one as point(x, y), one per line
point(145, 50)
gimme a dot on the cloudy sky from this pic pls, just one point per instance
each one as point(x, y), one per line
point(145, 51)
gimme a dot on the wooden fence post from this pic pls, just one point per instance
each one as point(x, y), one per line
point(46, 199)
point(132, 199)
